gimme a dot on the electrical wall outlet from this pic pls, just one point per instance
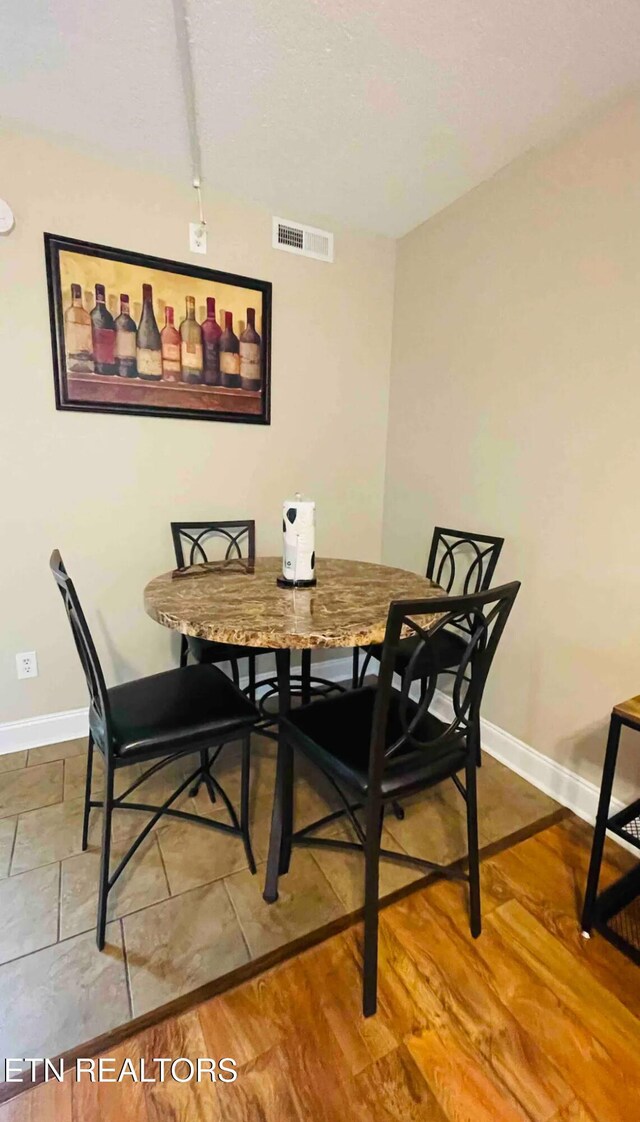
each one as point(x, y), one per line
point(27, 664)
point(197, 237)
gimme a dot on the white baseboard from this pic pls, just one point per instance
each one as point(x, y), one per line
point(560, 782)
point(33, 732)
point(556, 780)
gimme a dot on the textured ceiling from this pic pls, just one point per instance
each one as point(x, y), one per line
point(374, 113)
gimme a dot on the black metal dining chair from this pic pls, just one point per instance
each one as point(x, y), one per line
point(375, 745)
point(198, 542)
point(202, 542)
point(153, 721)
point(461, 563)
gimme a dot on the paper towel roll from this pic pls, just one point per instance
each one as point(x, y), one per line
point(298, 544)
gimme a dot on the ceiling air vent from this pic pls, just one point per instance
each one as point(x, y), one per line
point(304, 240)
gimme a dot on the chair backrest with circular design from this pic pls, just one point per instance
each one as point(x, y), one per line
point(484, 616)
point(201, 542)
point(462, 562)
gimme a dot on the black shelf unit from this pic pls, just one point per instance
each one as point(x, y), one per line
point(626, 823)
point(615, 912)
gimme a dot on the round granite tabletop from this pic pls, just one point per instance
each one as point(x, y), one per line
point(347, 608)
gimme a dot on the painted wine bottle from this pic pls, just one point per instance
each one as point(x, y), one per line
point(77, 335)
point(170, 336)
point(103, 334)
point(148, 343)
point(191, 345)
point(125, 350)
point(250, 354)
point(211, 332)
point(229, 355)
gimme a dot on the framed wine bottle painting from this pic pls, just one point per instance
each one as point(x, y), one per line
point(138, 334)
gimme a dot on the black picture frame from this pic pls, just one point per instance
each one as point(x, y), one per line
point(95, 393)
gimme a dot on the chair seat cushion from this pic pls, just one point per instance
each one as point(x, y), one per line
point(336, 734)
point(445, 651)
point(170, 711)
point(204, 651)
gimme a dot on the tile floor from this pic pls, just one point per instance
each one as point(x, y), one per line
point(186, 910)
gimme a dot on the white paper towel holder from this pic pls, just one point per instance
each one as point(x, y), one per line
point(290, 510)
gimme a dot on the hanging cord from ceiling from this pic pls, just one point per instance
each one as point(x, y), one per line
point(186, 72)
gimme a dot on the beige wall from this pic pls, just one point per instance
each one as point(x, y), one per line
point(515, 409)
point(104, 488)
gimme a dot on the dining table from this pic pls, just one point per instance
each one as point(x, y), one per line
point(244, 604)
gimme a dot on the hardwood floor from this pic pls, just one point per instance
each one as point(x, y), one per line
point(529, 1023)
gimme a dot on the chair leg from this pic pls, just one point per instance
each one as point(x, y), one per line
point(371, 904)
point(252, 677)
point(600, 831)
point(244, 802)
point(282, 814)
point(203, 778)
point(206, 764)
point(281, 821)
point(478, 746)
point(184, 650)
point(396, 807)
point(287, 815)
point(283, 668)
point(103, 892)
point(355, 673)
point(475, 920)
point(306, 677)
point(367, 659)
point(87, 795)
point(235, 671)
